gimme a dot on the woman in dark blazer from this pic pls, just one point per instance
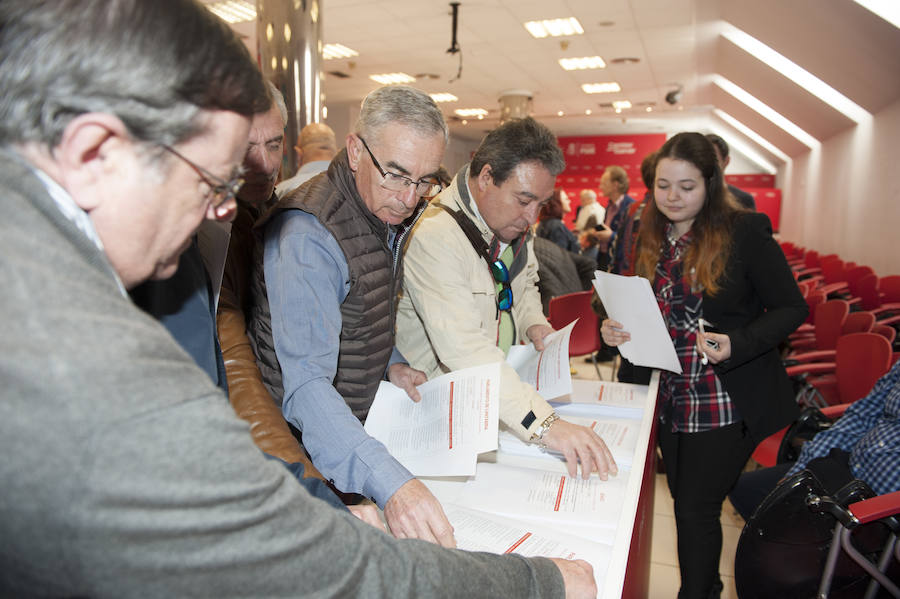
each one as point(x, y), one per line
point(712, 262)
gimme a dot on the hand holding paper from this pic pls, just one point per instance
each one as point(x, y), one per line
point(630, 302)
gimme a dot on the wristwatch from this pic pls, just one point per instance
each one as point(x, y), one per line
point(538, 435)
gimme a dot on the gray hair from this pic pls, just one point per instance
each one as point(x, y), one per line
point(278, 100)
point(400, 104)
point(154, 65)
point(514, 142)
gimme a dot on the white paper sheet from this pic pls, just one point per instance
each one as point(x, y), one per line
point(546, 496)
point(443, 434)
point(591, 394)
point(547, 371)
point(630, 301)
point(479, 531)
point(619, 434)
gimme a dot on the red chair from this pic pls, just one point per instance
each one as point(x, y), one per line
point(871, 300)
point(853, 275)
point(585, 338)
point(858, 322)
point(886, 331)
point(827, 323)
point(860, 360)
point(889, 287)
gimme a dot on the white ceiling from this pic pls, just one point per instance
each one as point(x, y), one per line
point(676, 42)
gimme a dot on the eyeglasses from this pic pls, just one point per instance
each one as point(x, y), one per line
point(397, 182)
point(501, 275)
point(220, 191)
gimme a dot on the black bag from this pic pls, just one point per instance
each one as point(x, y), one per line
point(810, 422)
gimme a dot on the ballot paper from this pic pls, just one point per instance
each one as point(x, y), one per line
point(480, 531)
point(576, 505)
point(619, 434)
point(621, 397)
point(630, 301)
point(442, 434)
point(548, 370)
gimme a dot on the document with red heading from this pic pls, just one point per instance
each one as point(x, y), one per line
point(548, 370)
point(442, 434)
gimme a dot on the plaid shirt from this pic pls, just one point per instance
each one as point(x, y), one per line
point(870, 432)
point(695, 400)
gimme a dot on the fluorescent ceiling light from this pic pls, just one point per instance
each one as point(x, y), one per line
point(392, 78)
point(621, 104)
point(554, 27)
point(586, 62)
point(762, 141)
point(476, 112)
point(797, 74)
point(737, 145)
point(765, 110)
point(444, 97)
point(889, 10)
point(234, 11)
point(337, 51)
point(601, 88)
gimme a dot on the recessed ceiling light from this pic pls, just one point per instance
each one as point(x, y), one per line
point(392, 78)
point(554, 27)
point(621, 104)
point(601, 88)
point(337, 51)
point(586, 62)
point(470, 112)
point(797, 74)
point(234, 11)
point(560, 113)
point(444, 97)
point(588, 112)
point(766, 111)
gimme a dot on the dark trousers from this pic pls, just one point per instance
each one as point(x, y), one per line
point(701, 468)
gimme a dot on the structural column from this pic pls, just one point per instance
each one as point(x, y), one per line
point(289, 39)
point(515, 104)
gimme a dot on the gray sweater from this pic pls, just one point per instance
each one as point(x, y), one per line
point(126, 473)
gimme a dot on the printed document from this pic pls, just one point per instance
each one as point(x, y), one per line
point(547, 371)
point(630, 301)
point(479, 531)
point(442, 434)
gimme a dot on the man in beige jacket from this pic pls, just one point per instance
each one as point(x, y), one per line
point(467, 296)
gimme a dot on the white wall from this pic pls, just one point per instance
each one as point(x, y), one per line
point(844, 197)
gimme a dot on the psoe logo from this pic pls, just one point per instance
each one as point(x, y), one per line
point(620, 147)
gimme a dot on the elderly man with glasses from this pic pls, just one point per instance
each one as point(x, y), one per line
point(323, 314)
point(469, 289)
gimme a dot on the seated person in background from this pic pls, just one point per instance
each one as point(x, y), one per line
point(550, 225)
point(325, 284)
point(591, 213)
point(115, 145)
point(560, 272)
point(743, 198)
point(315, 149)
point(456, 311)
point(869, 431)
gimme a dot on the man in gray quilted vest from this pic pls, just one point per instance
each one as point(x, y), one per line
point(325, 288)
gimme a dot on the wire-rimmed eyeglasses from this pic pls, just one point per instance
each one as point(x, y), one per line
point(398, 182)
point(501, 275)
point(220, 191)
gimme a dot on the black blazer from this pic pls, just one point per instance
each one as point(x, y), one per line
point(757, 306)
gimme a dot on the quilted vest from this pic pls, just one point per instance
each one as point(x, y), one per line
point(369, 310)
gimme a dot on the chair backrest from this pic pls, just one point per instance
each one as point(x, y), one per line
point(814, 299)
point(828, 320)
point(853, 275)
point(585, 338)
point(886, 331)
point(811, 259)
point(832, 269)
point(890, 289)
point(858, 322)
point(867, 292)
point(860, 360)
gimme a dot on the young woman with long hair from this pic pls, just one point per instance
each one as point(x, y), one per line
point(711, 261)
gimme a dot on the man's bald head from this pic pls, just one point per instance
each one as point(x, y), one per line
point(317, 142)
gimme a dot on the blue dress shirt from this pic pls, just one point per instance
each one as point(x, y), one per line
point(307, 280)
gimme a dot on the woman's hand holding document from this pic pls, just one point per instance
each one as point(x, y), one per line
point(635, 324)
point(442, 434)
